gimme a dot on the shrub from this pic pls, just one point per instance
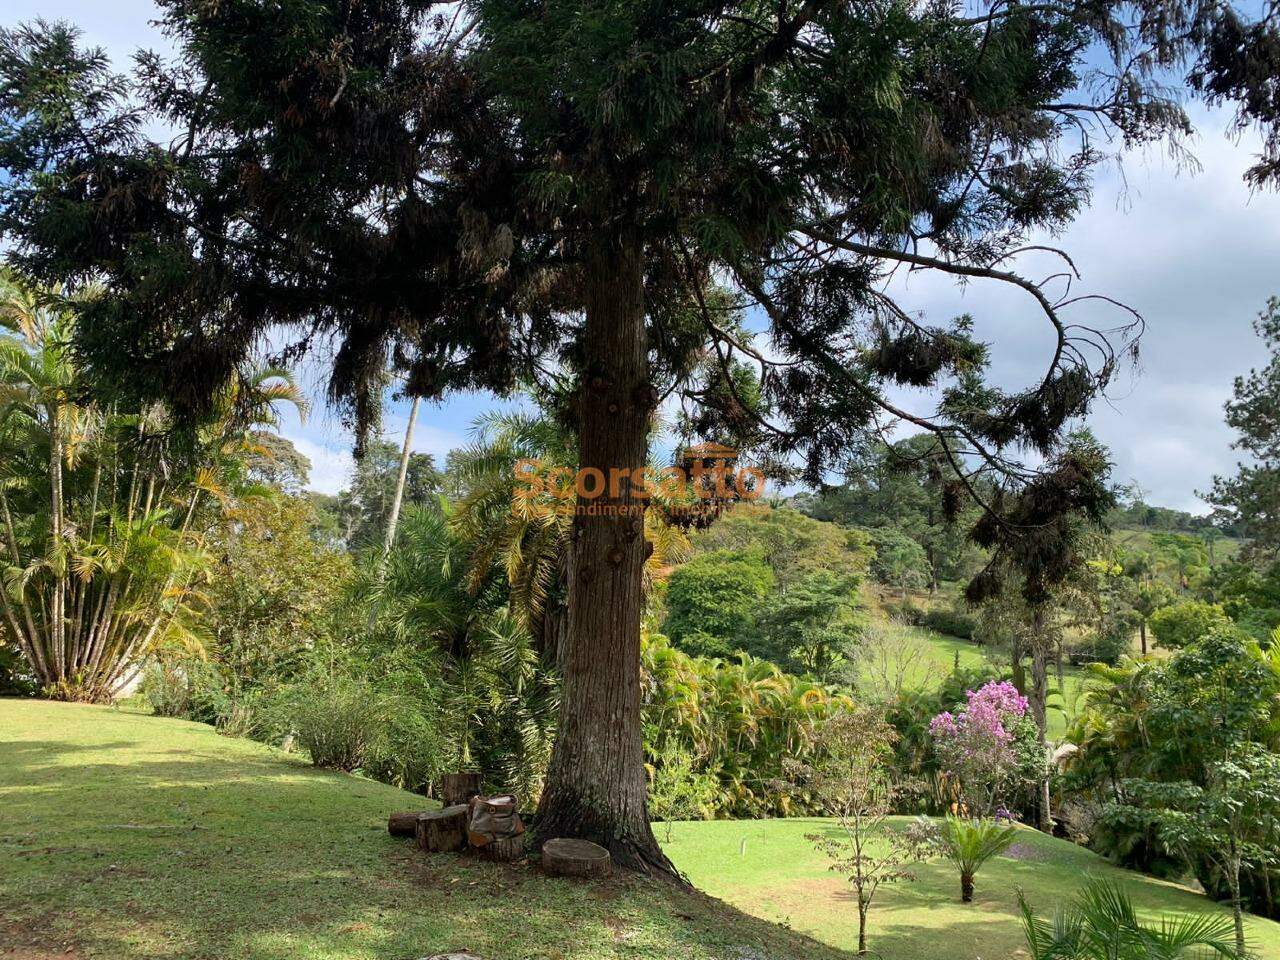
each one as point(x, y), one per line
point(714, 600)
point(167, 688)
point(950, 621)
point(337, 719)
point(1180, 624)
point(905, 611)
point(1101, 923)
point(407, 751)
point(677, 790)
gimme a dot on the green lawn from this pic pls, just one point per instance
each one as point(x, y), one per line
point(769, 869)
point(127, 836)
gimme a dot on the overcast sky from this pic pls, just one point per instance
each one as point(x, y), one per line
point(1196, 253)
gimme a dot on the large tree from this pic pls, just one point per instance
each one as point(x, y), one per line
point(487, 192)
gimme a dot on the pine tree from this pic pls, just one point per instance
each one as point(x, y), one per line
point(613, 193)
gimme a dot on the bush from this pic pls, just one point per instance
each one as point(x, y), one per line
point(337, 719)
point(714, 600)
point(677, 791)
point(15, 675)
point(1180, 624)
point(904, 611)
point(167, 688)
point(951, 622)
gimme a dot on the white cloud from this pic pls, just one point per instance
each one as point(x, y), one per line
point(330, 466)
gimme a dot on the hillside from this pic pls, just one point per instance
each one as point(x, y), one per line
point(127, 836)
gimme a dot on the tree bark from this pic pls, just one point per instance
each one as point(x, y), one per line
point(1039, 711)
point(397, 499)
point(503, 850)
point(1142, 635)
point(575, 858)
point(57, 622)
point(456, 788)
point(403, 823)
point(966, 888)
point(596, 784)
point(443, 831)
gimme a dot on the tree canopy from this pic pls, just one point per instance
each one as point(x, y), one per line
point(605, 198)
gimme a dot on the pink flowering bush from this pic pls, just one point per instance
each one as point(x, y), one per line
point(985, 745)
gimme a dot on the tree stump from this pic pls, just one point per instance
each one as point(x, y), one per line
point(443, 831)
point(504, 849)
point(564, 857)
point(458, 788)
point(403, 823)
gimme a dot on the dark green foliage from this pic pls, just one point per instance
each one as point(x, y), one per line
point(363, 177)
point(1154, 738)
point(811, 628)
point(899, 561)
point(909, 488)
point(364, 506)
point(714, 602)
point(951, 621)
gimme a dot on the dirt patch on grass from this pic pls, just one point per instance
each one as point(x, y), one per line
point(35, 940)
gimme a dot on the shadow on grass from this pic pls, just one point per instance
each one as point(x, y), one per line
point(143, 849)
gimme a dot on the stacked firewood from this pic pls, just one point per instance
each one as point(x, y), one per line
point(491, 826)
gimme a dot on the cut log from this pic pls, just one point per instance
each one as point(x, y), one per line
point(458, 788)
point(564, 857)
point(503, 850)
point(403, 823)
point(443, 831)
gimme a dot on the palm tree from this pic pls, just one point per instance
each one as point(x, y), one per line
point(499, 698)
point(1101, 924)
point(100, 503)
point(527, 535)
point(971, 843)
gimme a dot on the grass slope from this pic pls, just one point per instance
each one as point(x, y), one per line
point(127, 836)
point(769, 869)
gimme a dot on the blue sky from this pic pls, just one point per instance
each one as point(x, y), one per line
point(1196, 253)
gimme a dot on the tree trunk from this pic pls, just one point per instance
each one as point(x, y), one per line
point(403, 823)
point(862, 929)
point(1237, 906)
point(1039, 711)
point(966, 888)
point(458, 788)
point(503, 850)
point(397, 499)
point(1142, 635)
point(57, 620)
point(596, 785)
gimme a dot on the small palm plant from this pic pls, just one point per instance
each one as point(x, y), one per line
point(1101, 924)
point(969, 844)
